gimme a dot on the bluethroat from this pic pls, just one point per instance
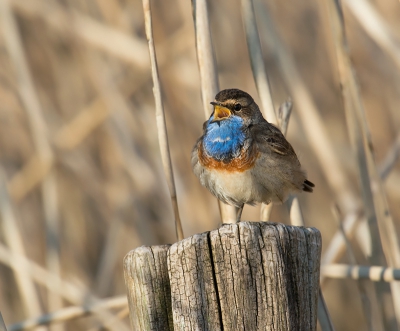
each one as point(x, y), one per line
point(243, 159)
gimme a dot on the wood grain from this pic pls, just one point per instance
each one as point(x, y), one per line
point(244, 276)
point(149, 296)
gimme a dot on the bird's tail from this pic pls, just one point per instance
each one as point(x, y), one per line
point(308, 186)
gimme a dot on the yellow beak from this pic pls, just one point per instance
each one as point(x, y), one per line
point(221, 112)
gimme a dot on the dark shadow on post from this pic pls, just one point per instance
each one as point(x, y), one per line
point(149, 294)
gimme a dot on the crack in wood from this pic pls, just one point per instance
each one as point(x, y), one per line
point(244, 276)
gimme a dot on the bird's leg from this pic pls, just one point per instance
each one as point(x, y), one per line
point(239, 214)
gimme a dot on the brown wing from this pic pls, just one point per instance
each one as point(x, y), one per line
point(269, 139)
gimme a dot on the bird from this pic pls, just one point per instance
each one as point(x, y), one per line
point(241, 158)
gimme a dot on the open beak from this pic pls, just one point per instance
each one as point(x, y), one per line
point(220, 112)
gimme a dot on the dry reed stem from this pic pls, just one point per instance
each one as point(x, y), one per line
point(109, 258)
point(382, 229)
point(83, 172)
point(317, 137)
point(2, 324)
point(70, 313)
point(120, 113)
point(25, 82)
point(309, 116)
point(91, 32)
point(390, 160)
point(35, 171)
point(18, 261)
point(67, 137)
point(257, 61)
point(117, 107)
point(38, 128)
point(358, 126)
point(124, 312)
point(94, 33)
point(51, 216)
point(30, 301)
point(205, 55)
point(374, 322)
point(70, 292)
point(324, 318)
point(372, 273)
point(160, 117)
point(76, 153)
point(260, 76)
point(376, 27)
point(208, 79)
point(73, 133)
point(264, 91)
point(32, 174)
point(297, 219)
point(337, 244)
point(284, 112)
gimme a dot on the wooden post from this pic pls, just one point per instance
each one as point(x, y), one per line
point(149, 295)
point(244, 276)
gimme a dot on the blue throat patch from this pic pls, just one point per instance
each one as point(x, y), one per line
point(224, 139)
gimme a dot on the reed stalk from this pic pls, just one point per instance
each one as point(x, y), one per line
point(160, 117)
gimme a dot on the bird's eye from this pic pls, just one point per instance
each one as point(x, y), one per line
point(237, 107)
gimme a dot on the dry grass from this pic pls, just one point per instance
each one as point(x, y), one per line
point(83, 179)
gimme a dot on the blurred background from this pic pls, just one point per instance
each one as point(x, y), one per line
point(81, 176)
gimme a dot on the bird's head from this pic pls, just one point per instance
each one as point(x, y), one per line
point(225, 132)
point(235, 103)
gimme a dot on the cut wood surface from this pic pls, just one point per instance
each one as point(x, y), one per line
point(245, 276)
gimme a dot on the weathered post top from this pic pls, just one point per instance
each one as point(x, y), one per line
point(244, 276)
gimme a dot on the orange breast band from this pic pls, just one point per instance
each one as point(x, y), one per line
point(243, 162)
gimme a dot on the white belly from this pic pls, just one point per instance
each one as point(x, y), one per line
point(234, 188)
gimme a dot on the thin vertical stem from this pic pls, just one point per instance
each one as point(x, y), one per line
point(26, 287)
point(160, 118)
point(257, 61)
point(370, 316)
point(208, 79)
point(38, 128)
point(205, 55)
point(297, 219)
point(2, 324)
point(376, 27)
point(382, 229)
point(324, 318)
point(259, 74)
point(309, 115)
point(390, 159)
point(351, 220)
